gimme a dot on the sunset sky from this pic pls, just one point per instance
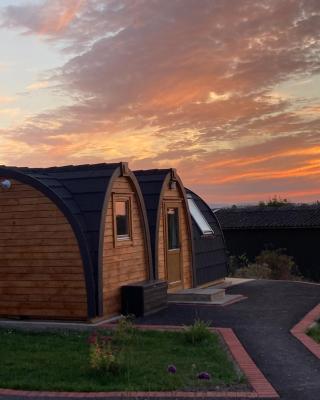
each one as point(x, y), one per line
point(226, 91)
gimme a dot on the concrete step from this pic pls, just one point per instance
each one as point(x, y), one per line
point(197, 295)
point(221, 285)
point(224, 301)
point(231, 281)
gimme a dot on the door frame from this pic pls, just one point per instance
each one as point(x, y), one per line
point(172, 203)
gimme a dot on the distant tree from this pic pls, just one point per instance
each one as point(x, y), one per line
point(275, 201)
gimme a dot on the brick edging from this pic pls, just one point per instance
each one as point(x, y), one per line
point(261, 387)
point(257, 380)
point(299, 331)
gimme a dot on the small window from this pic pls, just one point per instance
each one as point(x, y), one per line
point(199, 218)
point(122, 215)
point(173, 228)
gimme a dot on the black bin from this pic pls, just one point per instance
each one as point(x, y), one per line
point(144, 298)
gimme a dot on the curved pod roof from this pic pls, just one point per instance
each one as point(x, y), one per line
point(82, 194)
point(209, 250)
point(153, 183)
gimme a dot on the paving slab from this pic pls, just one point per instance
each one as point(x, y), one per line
point(222, 301)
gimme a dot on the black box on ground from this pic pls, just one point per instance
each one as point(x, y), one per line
point(144, 298)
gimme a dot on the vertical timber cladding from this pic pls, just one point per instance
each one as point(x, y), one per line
point(123, 262)
point(41, 269)
point(172, 195)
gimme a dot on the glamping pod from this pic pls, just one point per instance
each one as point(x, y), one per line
point(169, 225)
point(210, 256)
point(70, 238)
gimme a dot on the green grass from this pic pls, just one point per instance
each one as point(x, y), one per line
point(314, 332)
point(60, 361)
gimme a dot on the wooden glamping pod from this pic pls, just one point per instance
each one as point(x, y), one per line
point(169, 225)
point(210, 255)
point(70, 238)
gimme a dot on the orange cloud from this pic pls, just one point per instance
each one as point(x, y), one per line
point(307, 170)
point(241, 162)
point(38, 85)
point(6, 99)
point(10, 112)
point(57, 18)
point(49, 18)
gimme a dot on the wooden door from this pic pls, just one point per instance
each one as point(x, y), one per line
point(173, 245)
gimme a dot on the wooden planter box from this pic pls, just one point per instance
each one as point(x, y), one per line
point(144, 298)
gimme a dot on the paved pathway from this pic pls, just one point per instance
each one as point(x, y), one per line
point(262, 323)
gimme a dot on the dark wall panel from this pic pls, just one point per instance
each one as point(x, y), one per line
point(302, 244)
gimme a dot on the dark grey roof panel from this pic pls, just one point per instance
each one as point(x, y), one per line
point(92, 220)
point(81, 174)
point(151, 202)
point(152, 172)
point(155, 176)
point(150, 189)
point(72, 205)
point(258, 217)
point(151, 183)
point(208, 274)
point(92, 185)
point(210, 252)
point(48, 181)
point(61, 192)
point(90, 201)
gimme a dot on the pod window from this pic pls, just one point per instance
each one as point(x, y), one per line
point(122, 212)
point(173, 228)
point(199, 218)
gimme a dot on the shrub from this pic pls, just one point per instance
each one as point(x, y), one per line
point(125, 330)
point(254, 271)
point(198, 332)
point(281, 265)
point(237, 262)
point(103, 355)
point(269, 264)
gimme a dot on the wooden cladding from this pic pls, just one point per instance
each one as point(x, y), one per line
point(124, 261)
point(41, 270)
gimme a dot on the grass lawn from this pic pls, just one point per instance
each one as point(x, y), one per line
point(314, 332)
point(60, 361)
